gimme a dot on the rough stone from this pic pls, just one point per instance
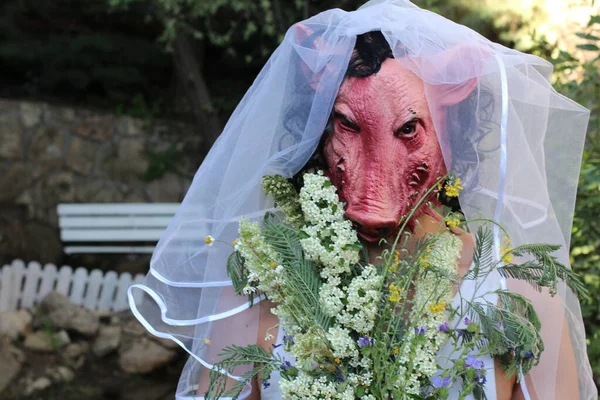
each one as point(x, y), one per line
point(8, 105)
point(37, 386)
point(81, 156)
point(166, 343)
point(128, 126)
point(11, 362)
point(168, 189)
point(60, 186)
point(15, 323)
point(47, 146)
point(64, 114)
point(98, 191)
point(14, 181)
point(74, 354)
point(144, 356)
point(74, 350)
point(64, 314)
point(11, 137)
point(133, 327)
point(61, 374)
point(107, 341)
point(96, 127)
point(46, 341)
point(135, 196)
point(125, 161)
point(31, 113)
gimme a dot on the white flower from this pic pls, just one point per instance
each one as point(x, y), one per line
point(342, 343)
point(331, 239)
point(362, 297)
point(248, 289)
point(418, 358)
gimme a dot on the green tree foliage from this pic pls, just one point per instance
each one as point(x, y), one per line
point(69, 49)
point(579, 79)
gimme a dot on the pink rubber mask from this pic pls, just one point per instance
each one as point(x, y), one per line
point(383, 151)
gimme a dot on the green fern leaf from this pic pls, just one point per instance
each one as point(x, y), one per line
point(482, 256)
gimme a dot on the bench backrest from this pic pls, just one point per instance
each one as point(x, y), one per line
point(113, 224)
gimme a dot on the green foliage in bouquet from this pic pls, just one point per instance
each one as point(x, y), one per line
point(389, 329)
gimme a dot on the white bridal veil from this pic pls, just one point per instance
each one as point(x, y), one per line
point(515, 142)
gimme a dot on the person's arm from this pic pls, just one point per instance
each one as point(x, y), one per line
point(566, 380)
point(266, 321)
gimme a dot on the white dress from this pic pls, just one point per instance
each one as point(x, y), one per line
point(467, 291)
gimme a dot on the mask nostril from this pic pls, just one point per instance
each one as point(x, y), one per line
point(357, 226)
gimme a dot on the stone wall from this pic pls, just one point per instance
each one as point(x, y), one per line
point(52, 154)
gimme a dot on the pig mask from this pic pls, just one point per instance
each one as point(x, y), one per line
point(382, 150)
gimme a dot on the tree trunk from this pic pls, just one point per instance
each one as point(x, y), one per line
point(188, 64)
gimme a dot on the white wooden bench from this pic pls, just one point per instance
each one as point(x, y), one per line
point(113, 228)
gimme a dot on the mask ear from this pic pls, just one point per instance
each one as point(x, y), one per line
point(313, 52)
point(450, 95)
point(306, 47)
point(452, 74)
point(301, 33)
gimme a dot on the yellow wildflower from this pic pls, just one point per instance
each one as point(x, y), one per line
point(337, 361)
point(505, 251)
point(207, 341)
point(209, 240)
point(395, 351)
point(273, 265)
point(235, 243)
point(452, 220)
point(453, 188)
point(424, 260)
point(437, 308)
point(394, 294)
point(396, 264)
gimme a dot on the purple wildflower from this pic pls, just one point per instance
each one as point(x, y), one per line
point(365, 341)
point(500, 326)
point(266, 383)
point(444, 327)
point(528, 355)
point(421, 330)
point(467, 321)
point(438, 382)
point(288, 339)
point(286, 365)
point(480, 377)
point(472, 362)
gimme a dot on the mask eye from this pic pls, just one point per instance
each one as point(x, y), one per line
point(347, 123)
point(408, 129)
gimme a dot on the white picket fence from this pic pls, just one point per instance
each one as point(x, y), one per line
point(24, 286)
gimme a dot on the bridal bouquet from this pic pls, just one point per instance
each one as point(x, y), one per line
point(390, 329)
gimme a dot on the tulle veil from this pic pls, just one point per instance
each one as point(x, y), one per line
point(519, 161)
